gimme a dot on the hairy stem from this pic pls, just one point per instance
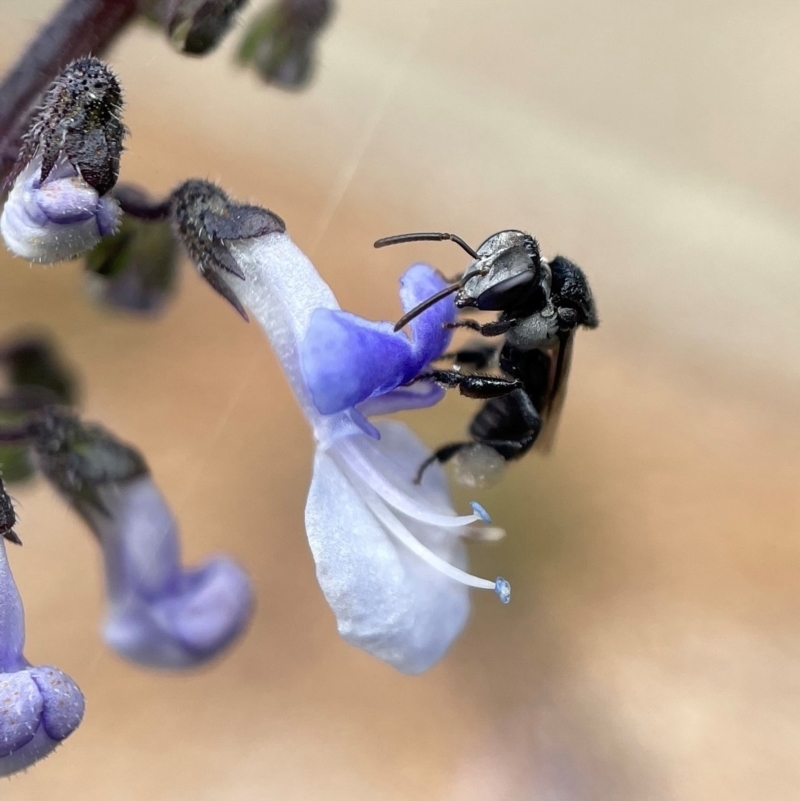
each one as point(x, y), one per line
point(79, 28)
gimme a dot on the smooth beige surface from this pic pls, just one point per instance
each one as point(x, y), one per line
point(652, 649)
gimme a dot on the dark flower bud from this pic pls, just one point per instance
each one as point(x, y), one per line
point(79, 120)
point(33, 361)
point(205, 219)
point(68, 162)
point(197, 26)
point(280, 42)
point(36, 377)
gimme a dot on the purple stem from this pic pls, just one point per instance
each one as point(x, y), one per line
point(79, 28)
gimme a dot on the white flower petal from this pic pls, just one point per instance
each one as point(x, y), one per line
point(387, 600)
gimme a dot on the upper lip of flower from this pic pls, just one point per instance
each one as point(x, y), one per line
point(347, 360)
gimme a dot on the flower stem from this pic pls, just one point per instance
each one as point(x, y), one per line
point(79, 28)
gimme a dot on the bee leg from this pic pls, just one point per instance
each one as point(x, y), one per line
point(441, 455)
point(510, 448)
point(495, 329)
point(482, 387)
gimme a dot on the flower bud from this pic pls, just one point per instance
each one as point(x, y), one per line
point(36, 377)
point(196, 27)
point(58, 206)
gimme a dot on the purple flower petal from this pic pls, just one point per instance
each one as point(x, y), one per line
point(57, 219)
point(429, 337)
point(161, 614)
point(39, 706)
point(346, 359)
point(68, 200)
point(416, 396)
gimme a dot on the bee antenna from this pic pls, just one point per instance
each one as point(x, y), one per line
point(426, 304)
point(434, 299)
point(426, 237)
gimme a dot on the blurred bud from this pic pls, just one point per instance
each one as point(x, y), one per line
point(39, 706)
point(136, 268)
point(57, 207)
point(196, 27)
point(36, 376)
point(280, 42)
point(160, 613)
point(205, 219)
point(33, 361)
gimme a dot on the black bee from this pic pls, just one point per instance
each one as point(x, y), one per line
point(540, 303)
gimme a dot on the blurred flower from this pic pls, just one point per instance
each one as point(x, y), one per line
point(39, 706)
point(159, 613)
point(136, 268)
point(57, 207)
point(280, 42)
point(389, 554)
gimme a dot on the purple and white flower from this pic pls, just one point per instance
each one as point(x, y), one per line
point(39, 705)
point(389, 554)
point(159, 614)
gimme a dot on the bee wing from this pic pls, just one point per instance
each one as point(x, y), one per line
point(560, 362)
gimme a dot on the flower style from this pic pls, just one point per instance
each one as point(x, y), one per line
point(389, 555)
point(159, 613)
point(39, 706)
point(58, 206)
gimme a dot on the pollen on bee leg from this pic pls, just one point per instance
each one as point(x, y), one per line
point(477, 466)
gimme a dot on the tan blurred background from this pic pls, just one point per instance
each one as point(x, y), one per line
point(652, 648)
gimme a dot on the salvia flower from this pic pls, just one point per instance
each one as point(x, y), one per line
point(159, 613)
point(58, 206)
point(280, 42)
point(39, 706)
point(389, 554)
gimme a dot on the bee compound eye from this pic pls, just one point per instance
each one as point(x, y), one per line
point(509, 293)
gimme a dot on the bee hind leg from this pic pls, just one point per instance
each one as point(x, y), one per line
point(441, 455)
